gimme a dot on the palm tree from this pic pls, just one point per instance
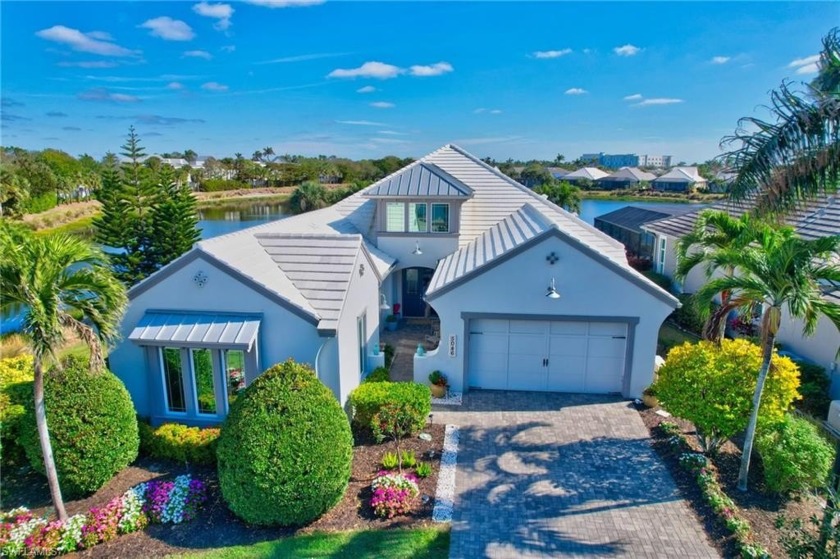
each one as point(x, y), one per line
point(714, 230)
point(777, 270)
point(267, 152)
point(796, 155)
point(60, 283)
point(563, 194)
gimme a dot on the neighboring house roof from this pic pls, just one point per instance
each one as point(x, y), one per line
point(590, 173)
point(421, 180)
point(632, 218)
point(815, 219)
point(558, 172)
point(681, 174)
point(629, 174)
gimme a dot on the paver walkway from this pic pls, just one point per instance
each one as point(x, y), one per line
point(560, 475)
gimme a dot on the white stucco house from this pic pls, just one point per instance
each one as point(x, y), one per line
point(529, 297)
point(813, 220)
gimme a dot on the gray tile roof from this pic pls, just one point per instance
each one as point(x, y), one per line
point(423, 179)
point(812, 220)
point(189, 329)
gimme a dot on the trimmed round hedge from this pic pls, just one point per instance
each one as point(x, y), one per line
point(285, 451)
point(92, 425)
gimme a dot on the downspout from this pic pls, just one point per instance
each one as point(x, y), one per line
point(318, 358)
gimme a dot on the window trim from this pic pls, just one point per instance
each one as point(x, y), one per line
point(388, 204)
point(411, 217)
point(661, 254)
point(165, 385)
point(223, 359)
point(432, 216)
point(194, 380)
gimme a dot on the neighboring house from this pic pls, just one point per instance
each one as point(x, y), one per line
point(529, 297)
point(590, 174)
point(626, 177)
point(679, 179)
point(813, 220)
point(625, 226)
point(615, 161)
point(558, 172)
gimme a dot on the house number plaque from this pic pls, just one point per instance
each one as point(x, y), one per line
point(453, 345)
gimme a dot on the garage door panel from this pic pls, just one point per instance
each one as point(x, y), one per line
point(488, 369)
point(607, 329)
point(607, 347)
point(527, 344)
point(570, 328)
point(528, 327)
point(560, 347)
point(526, 372)
point(601, 374)
point(567, 374)
point(486, 325)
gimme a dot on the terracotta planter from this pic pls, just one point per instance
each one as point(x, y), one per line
point(438, 391)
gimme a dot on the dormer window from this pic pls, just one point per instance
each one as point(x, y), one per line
point(417, 222)
point(395, 217)
point(440, 218)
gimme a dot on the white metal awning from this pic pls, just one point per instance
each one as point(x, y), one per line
point(191, 329)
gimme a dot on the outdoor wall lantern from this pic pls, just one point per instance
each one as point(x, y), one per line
point(552, 291)
point(417, 250)
point(383, 303)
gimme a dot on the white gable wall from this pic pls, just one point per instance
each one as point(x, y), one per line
point(821, 348)
point(518, 286)
point(282, 334)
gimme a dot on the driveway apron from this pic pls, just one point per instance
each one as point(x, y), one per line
point(563, 475)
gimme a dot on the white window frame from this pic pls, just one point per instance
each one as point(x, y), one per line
point(411, 217)
point(361, 333)
point(389, 204)
point(431, 218)
point(661, 254)
point(166, 384)
point(223, 359)
point(194, 380)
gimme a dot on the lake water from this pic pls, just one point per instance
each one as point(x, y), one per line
point(220, 220)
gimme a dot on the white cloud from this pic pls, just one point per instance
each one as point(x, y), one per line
point(431, 70)
point(168, 29)
point(360, 122)
point(382, 105)
point(495, 111)
point(214, 86)
point(89, 64)
point(228, 48)
point(198, 54)
point(576, 91)
point(372, 69)
point(720, 59)
point(102, 94)
point(366, 89)
point(389, 141)
point(303, 57)
point(487, 140)
point(807, 65)
point(634, 97)
point(100, 35)
point(285, 3)
point(627, 50)
point(659, 101)
point(488, 111)
point(175, 85)
point(391, 132)
point(551, 53)
point(92, 42)
point(221, 12)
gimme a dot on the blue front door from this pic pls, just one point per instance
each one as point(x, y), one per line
point(414, 285)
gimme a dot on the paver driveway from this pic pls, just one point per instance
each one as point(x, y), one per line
point(560, 475)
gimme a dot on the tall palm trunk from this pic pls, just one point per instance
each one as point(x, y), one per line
point(44, 438)
point(767, 354)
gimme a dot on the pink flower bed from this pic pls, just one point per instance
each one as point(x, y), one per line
point(160, 502)
point(393, 494)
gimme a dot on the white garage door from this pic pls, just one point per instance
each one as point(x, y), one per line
point(547, 355)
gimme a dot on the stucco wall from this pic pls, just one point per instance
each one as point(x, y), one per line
point(518, 286)
point(695, 279)
point(282, 333)
point(362, 297)
point(821, 348)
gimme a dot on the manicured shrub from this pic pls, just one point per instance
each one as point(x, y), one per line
point(379, 374)
point(411, 398)
point(92, 423)
point(15, 393)
point(796, 458)
point(689, 315)
point(712, 386)
point(218, 185)
point(814, 385)
point(181, 443)
point(285, 451)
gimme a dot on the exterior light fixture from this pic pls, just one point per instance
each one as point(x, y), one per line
point(383, 303)
point(552, 291)
point(417, 250)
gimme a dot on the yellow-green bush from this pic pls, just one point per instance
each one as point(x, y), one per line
point(712, 386)
point(796, 457)
point(15, 392)
point(181, 443)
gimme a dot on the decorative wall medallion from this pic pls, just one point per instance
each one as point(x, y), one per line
point(200, 278)
point(552, 258)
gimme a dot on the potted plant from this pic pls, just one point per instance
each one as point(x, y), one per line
point(439, 384)
point(649, 397)
point(391, 322)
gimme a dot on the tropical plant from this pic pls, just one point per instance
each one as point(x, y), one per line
point(795, 155)
point(61, 284)
point(712, 385)
point(796, 457)
point(307, 197)
point(777, 270)
point(562, 193)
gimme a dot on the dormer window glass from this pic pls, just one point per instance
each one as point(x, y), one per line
point(395, 217)
point(417, 222)
point(440, 218)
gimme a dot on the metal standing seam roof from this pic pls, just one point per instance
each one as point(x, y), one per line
point(629, 174)
point(681, 174)
point(812, 220)
point(513, 231)
point(590, 173)
point(189, 329)
point(631, 218)
point(421, 180)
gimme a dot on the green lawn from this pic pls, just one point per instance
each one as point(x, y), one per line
point(422, 543)
point(670, 336)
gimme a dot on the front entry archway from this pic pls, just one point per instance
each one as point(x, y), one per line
point(415, 281)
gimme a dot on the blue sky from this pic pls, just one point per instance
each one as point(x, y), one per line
point(366, 79)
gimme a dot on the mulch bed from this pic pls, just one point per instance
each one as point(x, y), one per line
point(216, 526)
point(758, 505)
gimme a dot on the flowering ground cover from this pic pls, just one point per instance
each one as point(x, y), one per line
point(351, 524)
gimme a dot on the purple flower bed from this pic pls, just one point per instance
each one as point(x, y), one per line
point(393, 494)
point(159, 502)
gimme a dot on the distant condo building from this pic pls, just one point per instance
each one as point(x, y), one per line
point(616, 161)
